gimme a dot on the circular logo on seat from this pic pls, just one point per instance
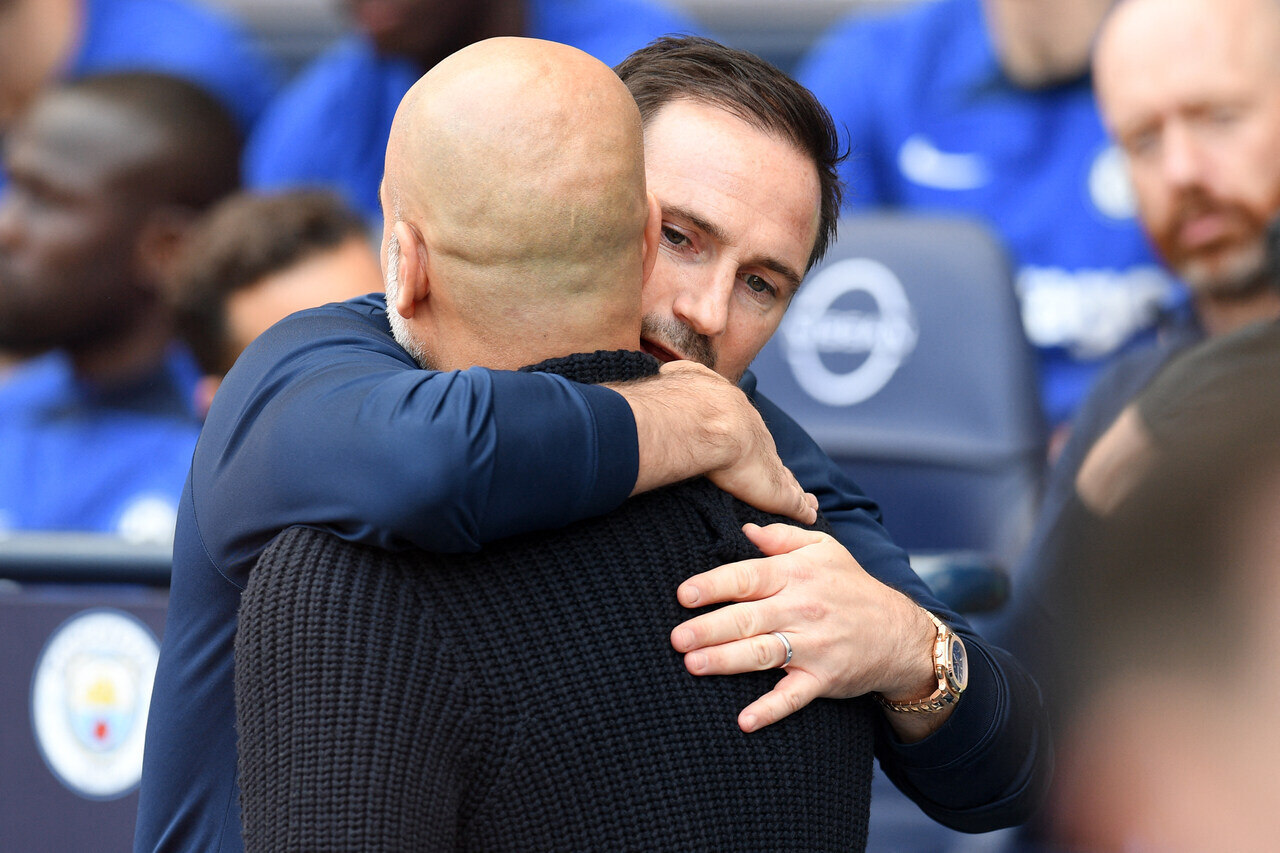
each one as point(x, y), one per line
point(1109, 186)
point(89, 698)
point(848, 331)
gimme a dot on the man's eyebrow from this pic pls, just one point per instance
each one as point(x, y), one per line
point(712, 230)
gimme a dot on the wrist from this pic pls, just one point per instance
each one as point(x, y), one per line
point(947, 679)
point(913, 676)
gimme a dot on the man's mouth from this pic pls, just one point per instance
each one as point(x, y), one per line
point(658, 351)
point(1204, 230)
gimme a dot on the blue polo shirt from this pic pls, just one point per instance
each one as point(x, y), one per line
point(933, 125)
point(80, 456)
point(330, 126)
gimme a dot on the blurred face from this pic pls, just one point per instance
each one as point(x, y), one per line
point(346, 271)
point(69, 222)
point(1191, 91)
point(739, 218)
point(423, 30)
point(1044, 42)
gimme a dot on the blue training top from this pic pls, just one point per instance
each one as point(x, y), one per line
point(77, 456)
point(934, 125)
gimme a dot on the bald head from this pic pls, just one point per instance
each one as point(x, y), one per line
point(1191, 91)
point(516, 167)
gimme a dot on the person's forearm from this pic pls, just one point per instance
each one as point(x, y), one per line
point(342, 432)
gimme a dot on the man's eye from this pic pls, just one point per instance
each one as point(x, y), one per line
point(758, 284)
point(674, 237)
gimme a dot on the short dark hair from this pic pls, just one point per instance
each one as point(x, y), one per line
point(698, 69)
point(201, 161)
point(240, 242)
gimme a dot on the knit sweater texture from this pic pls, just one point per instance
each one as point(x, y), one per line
point(526, 697)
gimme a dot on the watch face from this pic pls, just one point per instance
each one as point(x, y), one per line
point(958, 677)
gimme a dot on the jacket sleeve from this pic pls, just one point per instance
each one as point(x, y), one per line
point(989, 764)
point(324, 421)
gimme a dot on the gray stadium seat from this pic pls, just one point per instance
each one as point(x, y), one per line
point(903, 355)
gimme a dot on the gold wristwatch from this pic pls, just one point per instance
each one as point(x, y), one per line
point(950, 665)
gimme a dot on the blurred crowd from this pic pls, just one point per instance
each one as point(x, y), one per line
point(168, 192)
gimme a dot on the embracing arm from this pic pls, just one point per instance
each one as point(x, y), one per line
point(984, 766)
point(325, 421)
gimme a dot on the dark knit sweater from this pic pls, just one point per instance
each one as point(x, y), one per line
point(526, 697)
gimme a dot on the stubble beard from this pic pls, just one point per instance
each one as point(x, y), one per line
point(678, 338)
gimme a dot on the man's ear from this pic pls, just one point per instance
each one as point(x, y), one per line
point(160, 242)
point(415, 285)
point(652, 232)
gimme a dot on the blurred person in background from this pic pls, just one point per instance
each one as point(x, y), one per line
point(1191, 91)
point(107, 174)
point(984, 108)
point(43, 41)
point(330, 125)
point(256, 259)
point(1168, 589)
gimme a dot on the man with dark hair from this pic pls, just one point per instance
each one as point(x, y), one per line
point(330, 126)
point(745, 86)
point(254, 260)
point(107, 174)
point(311, 425)
point(494, 743)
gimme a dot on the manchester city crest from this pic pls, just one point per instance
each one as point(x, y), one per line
point(89, 698)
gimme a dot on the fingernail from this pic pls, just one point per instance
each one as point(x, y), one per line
point(749, 723)
point(690, 595)
point(683, 638)
point(697, 661)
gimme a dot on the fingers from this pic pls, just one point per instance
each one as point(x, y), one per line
point(747, 580)
point(754, 654)
point(789, 695)
point(781, 538)
point(803, 506)
point(726, 625)
point(791, 499)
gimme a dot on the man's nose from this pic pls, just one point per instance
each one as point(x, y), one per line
point(1182, 157)
point(704, 304)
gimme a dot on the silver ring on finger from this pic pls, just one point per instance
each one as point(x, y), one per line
point(786, 645)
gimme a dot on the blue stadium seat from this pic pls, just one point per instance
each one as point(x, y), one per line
point(904, 357)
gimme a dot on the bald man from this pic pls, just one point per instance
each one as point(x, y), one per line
point(1191, 89)
point(517, 230)
point(520, 232)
